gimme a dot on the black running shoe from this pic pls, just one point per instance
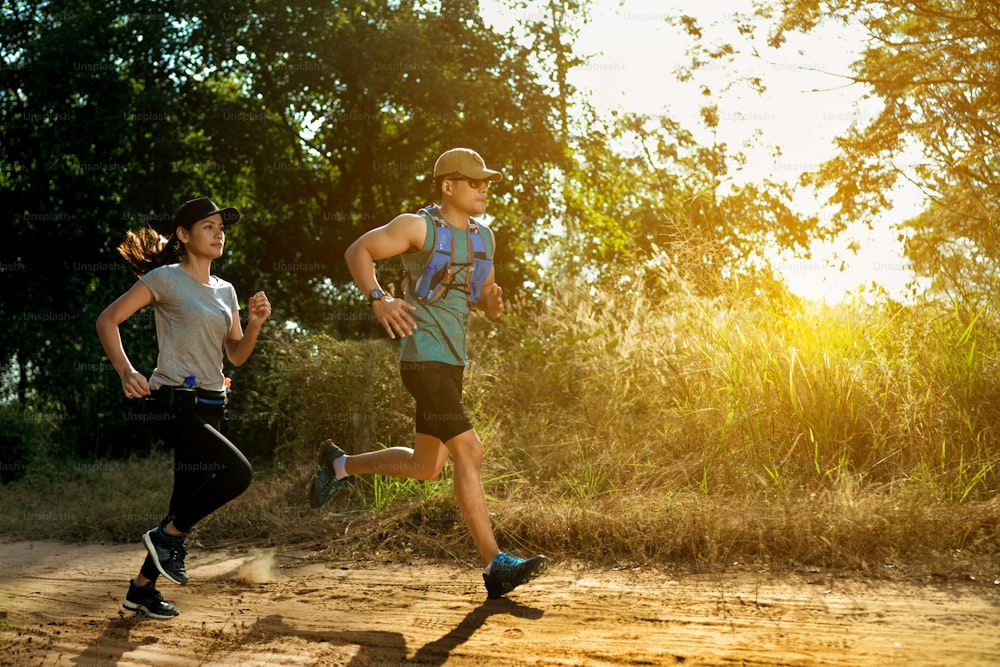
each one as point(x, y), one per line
point(147, 600)
point(508, 572)
point(168, 552)
point(323, 481)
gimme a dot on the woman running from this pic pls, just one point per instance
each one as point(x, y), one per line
point(197, 317)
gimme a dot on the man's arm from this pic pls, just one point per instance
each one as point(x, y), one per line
point(491, 295)
point(404, 233)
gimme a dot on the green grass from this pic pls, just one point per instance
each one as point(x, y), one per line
point(86, 501)
point(630, 429)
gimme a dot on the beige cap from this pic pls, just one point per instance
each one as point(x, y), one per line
point(466, 162)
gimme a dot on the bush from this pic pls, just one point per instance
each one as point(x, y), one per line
point(24, 438)
point(349, 391)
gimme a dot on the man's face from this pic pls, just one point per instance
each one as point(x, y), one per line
point(466, 193)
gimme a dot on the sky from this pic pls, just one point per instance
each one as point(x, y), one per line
point(634, 53)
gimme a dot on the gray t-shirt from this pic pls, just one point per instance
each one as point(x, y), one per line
point(192, 323)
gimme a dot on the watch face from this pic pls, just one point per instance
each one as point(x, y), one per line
point(375, 295)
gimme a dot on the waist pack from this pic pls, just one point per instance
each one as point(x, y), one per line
point(181, 399)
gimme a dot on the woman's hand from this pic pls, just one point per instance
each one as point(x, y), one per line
point(260, 309)
point(134, 385)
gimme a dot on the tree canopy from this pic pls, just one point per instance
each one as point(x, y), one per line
point(321, 120)
point(932, 65)
point(317, 122)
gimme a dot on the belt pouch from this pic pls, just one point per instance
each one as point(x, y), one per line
point(178, 399)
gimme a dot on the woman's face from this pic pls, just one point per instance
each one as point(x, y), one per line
point(206, 238)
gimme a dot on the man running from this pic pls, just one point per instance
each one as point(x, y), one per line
point(445, 280)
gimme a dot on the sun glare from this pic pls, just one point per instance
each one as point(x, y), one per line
point(634, 53)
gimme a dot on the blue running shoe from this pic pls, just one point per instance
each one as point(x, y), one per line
point(323, 482)
point(508, 572)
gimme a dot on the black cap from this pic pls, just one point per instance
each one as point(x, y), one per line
point(201, 208)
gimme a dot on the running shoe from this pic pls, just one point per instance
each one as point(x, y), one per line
point(147, 600)
point(507, 572)
point(168, 553)
point(323, 482)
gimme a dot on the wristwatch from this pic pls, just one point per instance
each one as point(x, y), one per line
point(375, 295)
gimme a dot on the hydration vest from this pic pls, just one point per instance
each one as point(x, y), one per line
point(435, 279)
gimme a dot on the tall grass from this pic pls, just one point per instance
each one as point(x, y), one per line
point(681, 428)
point(754, 403)
point(662, 428)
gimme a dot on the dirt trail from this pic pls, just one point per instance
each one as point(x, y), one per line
point(60, 605)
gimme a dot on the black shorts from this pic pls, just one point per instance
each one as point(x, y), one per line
point(437, 389)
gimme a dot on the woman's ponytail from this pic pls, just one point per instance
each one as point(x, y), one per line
point(145, 250)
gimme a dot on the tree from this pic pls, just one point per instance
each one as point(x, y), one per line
point(642, 186)
point(933, 66)
point(316, 121)
point(86, 138)
point(371, 93)
point(637, 186)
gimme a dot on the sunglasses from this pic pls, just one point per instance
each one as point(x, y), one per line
point(474, 183)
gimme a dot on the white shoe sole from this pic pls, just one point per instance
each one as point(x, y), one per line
point(140, 609)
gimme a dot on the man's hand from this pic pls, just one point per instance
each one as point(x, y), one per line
point(491, 301)
point(392, 314)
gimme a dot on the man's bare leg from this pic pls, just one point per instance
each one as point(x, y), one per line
point(467, 454)
point(424, 461)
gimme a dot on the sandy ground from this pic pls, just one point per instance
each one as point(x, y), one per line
point(60, 605)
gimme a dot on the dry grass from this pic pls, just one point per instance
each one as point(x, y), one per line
point(634, 430)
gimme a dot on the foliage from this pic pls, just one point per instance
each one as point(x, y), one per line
point(735, 397)
point(668, 191)
point(317, 121)
point(932, 65)
point(349, 391)
point(823, 426)
point(373, 92)
point(24, 438)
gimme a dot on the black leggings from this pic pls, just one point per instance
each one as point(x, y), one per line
point(209, 470)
